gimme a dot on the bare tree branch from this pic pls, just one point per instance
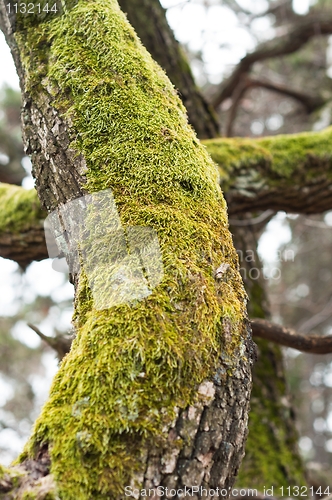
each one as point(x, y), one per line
point(287, 337)
point(24, 247)
point(318, 318)
point(60, 344)
point(297, 35)
point(283, 11)
point(310, 102)
point(263, 217)
point(237, 98)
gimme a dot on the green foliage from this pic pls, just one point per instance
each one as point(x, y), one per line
point(131, 365)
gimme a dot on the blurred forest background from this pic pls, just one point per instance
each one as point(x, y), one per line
point(282, 94)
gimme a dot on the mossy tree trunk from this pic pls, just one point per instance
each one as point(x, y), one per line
point(251, 155)
point(154, 393)
point(149, 20)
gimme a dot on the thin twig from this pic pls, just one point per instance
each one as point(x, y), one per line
point(59, 343)
point(287, 337)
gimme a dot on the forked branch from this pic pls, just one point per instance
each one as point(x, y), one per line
point(297, 35)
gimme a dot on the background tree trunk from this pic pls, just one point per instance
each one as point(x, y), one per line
point(272, 457)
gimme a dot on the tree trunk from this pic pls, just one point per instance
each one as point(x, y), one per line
point(153, 392)
point(149, 20)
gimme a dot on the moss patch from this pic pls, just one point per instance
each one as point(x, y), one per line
point(19, 209)
point(132, 364)
point(271, 158)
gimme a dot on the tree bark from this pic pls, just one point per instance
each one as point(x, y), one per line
point(22, 236)
point(153, 393)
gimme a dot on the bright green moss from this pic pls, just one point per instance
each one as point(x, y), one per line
point(29, 495)
point(273, 158)
point(19, 209)
point(291, 153)
point(132, 364)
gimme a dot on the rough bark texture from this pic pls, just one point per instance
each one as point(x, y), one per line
point(98, 114)
point(205, 459)
point(24, 247)
point(149, 20)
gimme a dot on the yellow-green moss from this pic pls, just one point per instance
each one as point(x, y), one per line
point(19, 209)
point(132, 364)
point(31, 495)
point(272, 158)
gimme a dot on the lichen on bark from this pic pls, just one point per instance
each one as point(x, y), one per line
point(90, 88)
